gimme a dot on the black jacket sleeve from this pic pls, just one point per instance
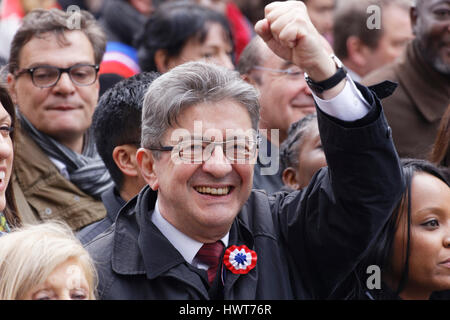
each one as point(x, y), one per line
point(328, 225)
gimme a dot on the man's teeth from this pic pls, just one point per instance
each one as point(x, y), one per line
point(214, 191)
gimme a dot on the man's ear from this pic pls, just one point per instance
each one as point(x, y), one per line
point(355, 51)
point(161, 61)
point(125, 158)
point(146, 163)
point(12, 87)
point(289, 178)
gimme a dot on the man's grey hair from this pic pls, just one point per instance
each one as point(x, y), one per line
point(188, 85)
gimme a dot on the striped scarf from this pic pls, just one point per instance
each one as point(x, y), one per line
point(87, 170)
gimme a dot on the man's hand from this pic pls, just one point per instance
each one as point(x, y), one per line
point(289, 33)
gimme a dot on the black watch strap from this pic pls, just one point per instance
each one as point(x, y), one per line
point(319, 87)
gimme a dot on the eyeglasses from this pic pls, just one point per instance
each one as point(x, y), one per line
point(238, 150)
point(48, 76)
point(293, 72)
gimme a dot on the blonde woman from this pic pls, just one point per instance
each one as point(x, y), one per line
point(45, 262)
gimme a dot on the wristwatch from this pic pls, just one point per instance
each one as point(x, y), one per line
point(321, 86)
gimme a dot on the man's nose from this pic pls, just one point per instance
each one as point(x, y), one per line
point(64, 84)
point(217, 165)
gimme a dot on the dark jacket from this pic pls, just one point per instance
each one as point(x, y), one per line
point(113, 202)
point(306, 241)
point(270, 183)
point(415, 109)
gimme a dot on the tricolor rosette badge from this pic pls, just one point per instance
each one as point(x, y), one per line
point(239, 259)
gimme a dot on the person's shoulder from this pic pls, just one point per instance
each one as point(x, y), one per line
point(387, 72)
point(260, 201)
point(88, 233)
point(120, 235)
point(100, 247)
point(27, 151)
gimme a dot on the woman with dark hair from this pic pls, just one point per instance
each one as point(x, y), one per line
point(8, 211)
point(412, 252)
point(179, 32)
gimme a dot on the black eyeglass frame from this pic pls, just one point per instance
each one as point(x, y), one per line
point(60, 71)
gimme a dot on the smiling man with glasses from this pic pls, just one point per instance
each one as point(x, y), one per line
point(206, 234)
point(53, 82)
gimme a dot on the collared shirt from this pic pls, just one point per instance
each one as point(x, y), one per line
point(61, 167)
point(348, 105)
point(353, 75)
point(187, 246)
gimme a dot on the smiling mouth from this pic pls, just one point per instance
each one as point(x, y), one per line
point(223, 191)
point(2, 176)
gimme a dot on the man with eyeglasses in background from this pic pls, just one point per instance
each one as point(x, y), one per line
point(284, 99)
point(53, 82)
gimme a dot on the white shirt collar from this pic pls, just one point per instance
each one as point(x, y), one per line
point(187, 246)
point(61, 167)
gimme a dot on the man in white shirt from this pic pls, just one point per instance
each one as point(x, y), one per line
point(199, 138)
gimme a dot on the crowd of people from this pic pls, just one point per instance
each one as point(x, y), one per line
point(237, 150)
